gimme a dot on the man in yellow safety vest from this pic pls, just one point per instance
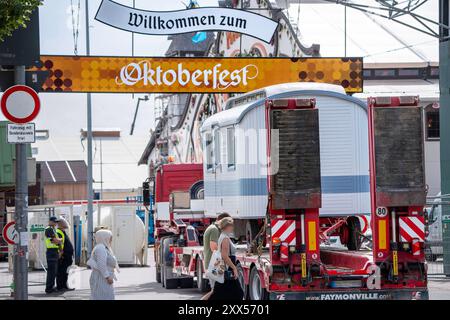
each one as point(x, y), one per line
point(54, 242)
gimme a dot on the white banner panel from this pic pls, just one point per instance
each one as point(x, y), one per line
point(182, 21)
point(21, 133)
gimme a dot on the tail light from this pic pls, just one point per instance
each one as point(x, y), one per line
point(409, 100)
point(415, 247)
point(276, 242)
point(284, 252)
point(396, 101)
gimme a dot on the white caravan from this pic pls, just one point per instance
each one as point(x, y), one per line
point(235, 156)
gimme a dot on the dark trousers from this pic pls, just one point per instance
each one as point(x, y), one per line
point(61, 277)
point(229, 290)
point(52, 268)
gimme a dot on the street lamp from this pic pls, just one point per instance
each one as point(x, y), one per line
point(136, 112)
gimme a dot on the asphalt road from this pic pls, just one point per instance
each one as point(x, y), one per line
point(133, 283)
point(139, 283)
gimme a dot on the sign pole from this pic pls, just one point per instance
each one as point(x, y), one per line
point(444, 116)
point(21, 211)
point(90, 191)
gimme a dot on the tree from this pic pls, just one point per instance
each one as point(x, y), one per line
point(15, 14)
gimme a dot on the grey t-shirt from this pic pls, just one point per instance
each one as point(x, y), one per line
point(211, 234)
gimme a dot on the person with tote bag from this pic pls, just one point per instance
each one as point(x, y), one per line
point(210, 239)
point(222, 267)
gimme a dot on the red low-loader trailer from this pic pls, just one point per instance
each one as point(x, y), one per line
point(287, 259)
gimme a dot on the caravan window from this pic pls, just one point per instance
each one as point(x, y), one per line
point(217, 146)
point(231, 148)
point(209, 151)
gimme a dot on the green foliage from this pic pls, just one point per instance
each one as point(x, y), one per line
point(15, 14)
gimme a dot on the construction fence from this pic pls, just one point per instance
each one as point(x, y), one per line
point(437, 243)
point(36, 252)
point(130, 241)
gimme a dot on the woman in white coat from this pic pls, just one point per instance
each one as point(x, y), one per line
point(103, 263)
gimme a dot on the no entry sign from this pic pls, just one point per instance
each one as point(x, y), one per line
point(9, 233)
point(20, 104)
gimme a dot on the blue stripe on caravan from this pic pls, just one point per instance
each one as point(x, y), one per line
point(258, 186)
point(345, 184)
point(241, 187)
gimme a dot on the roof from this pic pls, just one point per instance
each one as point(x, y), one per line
point(63, 171)
point(119, 158)
point(235, 114)
point(183, 43)
point(427, 90)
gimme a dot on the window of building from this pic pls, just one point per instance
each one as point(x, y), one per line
point(367, 73)
point(385, 73)
point(209, 151)
point(231, 148)
point(409, 72)
point(434, 71)
point(432, 123)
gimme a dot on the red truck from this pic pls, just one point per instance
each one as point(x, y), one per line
point(285, 258)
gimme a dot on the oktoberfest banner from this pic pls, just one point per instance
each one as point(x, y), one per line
point(182, 21)
point(193, 75)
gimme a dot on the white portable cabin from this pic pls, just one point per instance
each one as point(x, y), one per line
point(235, 152)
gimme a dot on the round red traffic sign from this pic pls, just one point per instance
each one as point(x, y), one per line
point(9, 233)
point(20, 104)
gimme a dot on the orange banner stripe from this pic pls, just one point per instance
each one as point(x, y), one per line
point(194, 75)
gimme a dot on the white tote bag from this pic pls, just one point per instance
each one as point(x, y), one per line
point(216, 268)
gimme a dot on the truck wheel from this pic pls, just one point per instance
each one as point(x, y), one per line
point(198, 190)
point(158, 274)
point(161, 269)
point(354, 237)
point(168, 283)
point(255, 290)
point(241, 280)
point(171, 283)
point(163, 277)
point(202, 283)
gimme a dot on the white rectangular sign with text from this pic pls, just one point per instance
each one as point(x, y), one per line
point(21, 133)
point(182, 21)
